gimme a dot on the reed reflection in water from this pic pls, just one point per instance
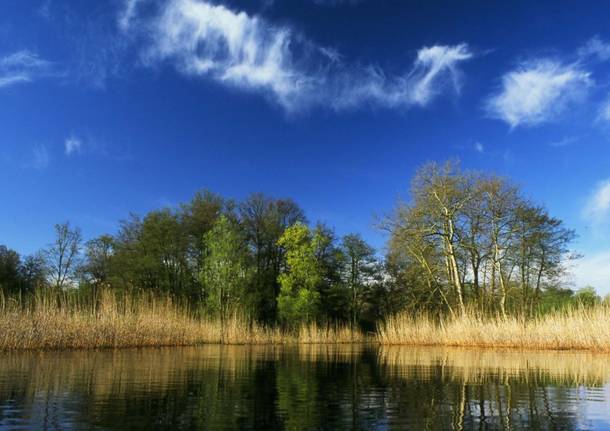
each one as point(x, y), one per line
point(304, 387)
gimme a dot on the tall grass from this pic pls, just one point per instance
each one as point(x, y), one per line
point(577, 328)
point(60, 320)
point(71, 320)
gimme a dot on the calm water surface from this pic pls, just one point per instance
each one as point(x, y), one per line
point(306, 387)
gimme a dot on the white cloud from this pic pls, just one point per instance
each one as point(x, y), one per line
point(604, 111)
point(128, 13)
point(479, 148)
point(596, 48)
point(593, 270)
point(431, 63)
point(247, 52)
point(597, 208)
point(72, 145)
point(21, 66)
point(537, 92)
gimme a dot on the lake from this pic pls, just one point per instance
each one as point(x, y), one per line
point(304, 387)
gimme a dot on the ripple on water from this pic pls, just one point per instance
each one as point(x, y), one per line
point(304, 387)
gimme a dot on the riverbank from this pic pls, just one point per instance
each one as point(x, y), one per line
point(572, 329)
point(65, 322)
point(51, 322)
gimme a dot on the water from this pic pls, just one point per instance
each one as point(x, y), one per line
point(306, 387)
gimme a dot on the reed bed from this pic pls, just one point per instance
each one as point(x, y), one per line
point(63, 321)
point(106, 320)
point(573, 329)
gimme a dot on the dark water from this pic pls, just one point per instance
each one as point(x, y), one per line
point(309, 387)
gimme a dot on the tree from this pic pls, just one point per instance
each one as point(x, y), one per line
point(10, 264)
point(224, 271)
point(62, 257)
point(151, 254)
point(472, 238)
point(299, 298)
point(264, 221)
point(197, 218)
point(96, 265)
point(439, 195)
point(587, 297)
point(33, 272)
point(358, 271)
point(500, 202)
point(333, 299)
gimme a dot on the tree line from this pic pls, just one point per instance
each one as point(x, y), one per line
point(463, 240)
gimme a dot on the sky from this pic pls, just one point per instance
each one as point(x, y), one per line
point(124, 106)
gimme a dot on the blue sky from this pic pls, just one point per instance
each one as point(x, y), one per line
point(108, 108)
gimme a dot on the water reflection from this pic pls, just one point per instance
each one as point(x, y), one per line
point(309, 387)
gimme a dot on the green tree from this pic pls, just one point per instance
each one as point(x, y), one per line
point(10, 264)
point(96, 268)
point(263, 221)
point(298, 300)
point(359, 269)
point(197, 218)
point(151, 253)
point(224, 273)
point(587, 297)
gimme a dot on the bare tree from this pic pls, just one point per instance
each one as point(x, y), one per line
point(472, 238)
point(63, 255)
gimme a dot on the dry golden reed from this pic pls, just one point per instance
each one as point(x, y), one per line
point(573, 329)
point(64, 321)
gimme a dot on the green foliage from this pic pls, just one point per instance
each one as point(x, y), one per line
point(263, 221)
point(10, 263)
point(298, 300)
point(224, 274)
point(465, 239)
point(587, 297)
point(359, 270)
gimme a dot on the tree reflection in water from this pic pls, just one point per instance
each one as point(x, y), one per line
point(304, 387)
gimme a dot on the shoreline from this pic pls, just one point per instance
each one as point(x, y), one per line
point(364, 341)
point(137, 322)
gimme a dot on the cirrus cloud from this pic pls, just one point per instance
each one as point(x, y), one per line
point(248, 52)
point(22, 66)
point(597, 208)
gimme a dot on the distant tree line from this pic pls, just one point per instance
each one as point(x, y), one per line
point(463, 240)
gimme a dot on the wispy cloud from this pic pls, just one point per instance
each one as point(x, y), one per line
point(40, 157)
point(604, 111)
point(595, 48)
point(44, 10)
point(478, 147)
point(72, 145)
point(597, 208)
point(247, 52)
point(564, 142)
point(22, 66)
point(537, 91)
point(128, 13)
